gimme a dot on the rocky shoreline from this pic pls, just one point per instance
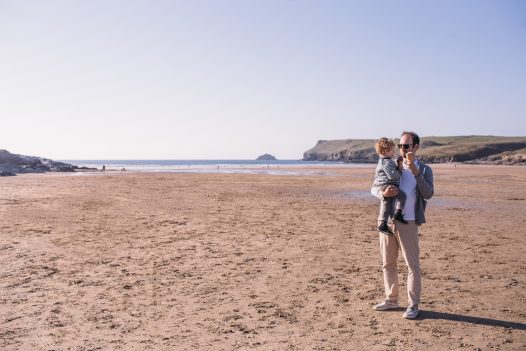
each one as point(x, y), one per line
point(489, 150)
point(13, 164)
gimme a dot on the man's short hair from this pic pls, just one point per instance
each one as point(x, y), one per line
point(383, 145)
point(414, 136)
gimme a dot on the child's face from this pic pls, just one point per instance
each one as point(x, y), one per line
point(389, 153)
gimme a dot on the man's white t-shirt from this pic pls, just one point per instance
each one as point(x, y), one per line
point(408, 186)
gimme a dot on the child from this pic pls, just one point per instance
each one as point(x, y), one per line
point(388, 172)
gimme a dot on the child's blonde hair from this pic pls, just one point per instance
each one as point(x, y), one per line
point(383, 145)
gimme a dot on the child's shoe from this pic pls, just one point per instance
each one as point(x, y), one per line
point(399, 217)
point(384, 228)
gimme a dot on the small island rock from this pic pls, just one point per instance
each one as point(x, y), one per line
point(266, 157)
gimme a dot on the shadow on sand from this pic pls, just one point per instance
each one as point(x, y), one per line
point(468, 319)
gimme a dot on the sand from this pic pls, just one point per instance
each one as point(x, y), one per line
point(265, 262)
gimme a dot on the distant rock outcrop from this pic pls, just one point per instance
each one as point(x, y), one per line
point(468, 149)
point(266, 157)
point(355, 150)
point(11, 164)
point(517, 157)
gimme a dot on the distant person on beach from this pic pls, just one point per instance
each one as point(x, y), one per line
point(388, 173)
point(103, 168)
point(417, 183)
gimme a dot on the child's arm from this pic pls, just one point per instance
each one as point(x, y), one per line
point(400, 162)
point(391, 170)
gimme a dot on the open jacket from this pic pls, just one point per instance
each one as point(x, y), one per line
point(424, 191)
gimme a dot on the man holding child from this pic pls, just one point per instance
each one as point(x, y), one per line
point(416, 182)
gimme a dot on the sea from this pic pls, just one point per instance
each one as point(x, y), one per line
point(273, 167)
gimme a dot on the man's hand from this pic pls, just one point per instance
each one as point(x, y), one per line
point(414, 169)
point(390, 191)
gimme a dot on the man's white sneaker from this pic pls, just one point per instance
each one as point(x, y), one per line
point(386, 305)
point(411, 312)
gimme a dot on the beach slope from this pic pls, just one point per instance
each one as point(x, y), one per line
point(234, 261)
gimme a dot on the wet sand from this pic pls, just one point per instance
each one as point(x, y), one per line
point(265, 262)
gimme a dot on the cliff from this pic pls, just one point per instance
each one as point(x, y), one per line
point(469, 149)
point(11, 164)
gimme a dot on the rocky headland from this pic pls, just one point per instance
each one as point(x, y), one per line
point(12, 164)
point(467, 149)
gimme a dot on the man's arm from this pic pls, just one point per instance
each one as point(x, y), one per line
point(390, 191)
point(424, 182)
point(375, 191)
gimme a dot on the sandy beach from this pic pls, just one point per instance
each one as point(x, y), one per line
point(167, 261)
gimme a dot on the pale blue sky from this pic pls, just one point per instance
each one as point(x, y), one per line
point(236, 79)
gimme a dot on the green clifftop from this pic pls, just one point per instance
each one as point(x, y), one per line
point(469, 149)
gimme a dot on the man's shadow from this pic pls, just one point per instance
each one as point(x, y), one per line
point(468, 319)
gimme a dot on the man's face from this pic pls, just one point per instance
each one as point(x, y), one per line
point(407, 139)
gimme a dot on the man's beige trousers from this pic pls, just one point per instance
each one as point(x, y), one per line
point(405, 239)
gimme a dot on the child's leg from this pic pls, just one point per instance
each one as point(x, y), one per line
point(386, 210)
point(386, 206)
point(400, 203)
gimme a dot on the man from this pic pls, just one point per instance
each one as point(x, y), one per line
point(417, 183)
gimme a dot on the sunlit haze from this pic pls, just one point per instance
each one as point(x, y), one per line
point(156, 79)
